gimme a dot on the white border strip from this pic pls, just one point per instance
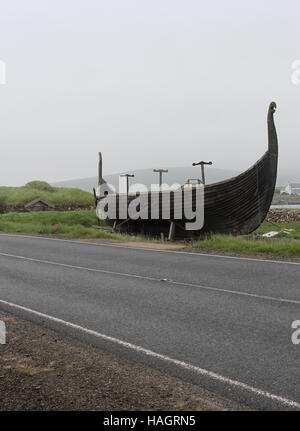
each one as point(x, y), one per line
point(144, 277)
point(138, 349)
point(195, 253)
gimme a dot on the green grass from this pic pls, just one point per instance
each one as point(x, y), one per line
point(40, 185)
point(71, 224)
point(11, 197)
point(85, 218)
point(285, 244)
point(272, 247)
point(67, 224)
point(279, 226)
point(79, 224)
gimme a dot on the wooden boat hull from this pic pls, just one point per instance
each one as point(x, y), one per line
point(236, 206)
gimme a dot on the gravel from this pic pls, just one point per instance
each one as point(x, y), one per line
point(42, 370)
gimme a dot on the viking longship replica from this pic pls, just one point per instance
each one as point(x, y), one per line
point(235, 206)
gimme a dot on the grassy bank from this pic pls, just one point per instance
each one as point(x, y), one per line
point(293, 229)
point(70, 224)
point(16, 197)
point(81, 224)
point(278, 247)
point(285, 244)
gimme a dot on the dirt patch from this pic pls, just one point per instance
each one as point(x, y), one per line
point(137, 244)
point(42, 370)
point(185, 247)
point(258, 256)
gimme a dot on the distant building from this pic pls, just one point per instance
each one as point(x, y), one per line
point(38, 204)
point(291, 189)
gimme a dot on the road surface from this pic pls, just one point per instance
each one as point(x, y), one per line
point(223, 323)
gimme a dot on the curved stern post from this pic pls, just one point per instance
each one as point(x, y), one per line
point(272, 134)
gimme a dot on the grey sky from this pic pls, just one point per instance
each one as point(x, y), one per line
point(149, 83)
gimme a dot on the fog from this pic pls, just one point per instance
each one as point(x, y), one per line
point(149, 83)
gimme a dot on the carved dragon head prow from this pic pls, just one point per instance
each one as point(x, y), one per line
point(273, 107)
point(272, 134)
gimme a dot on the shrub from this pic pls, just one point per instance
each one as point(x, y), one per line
point(40, 185)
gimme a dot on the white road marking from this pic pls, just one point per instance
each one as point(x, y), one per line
point(143, 277)
point(221, 256)
point(147, 352)
point(83, 268)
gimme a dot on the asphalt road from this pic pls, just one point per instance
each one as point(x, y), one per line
point(224, 323)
